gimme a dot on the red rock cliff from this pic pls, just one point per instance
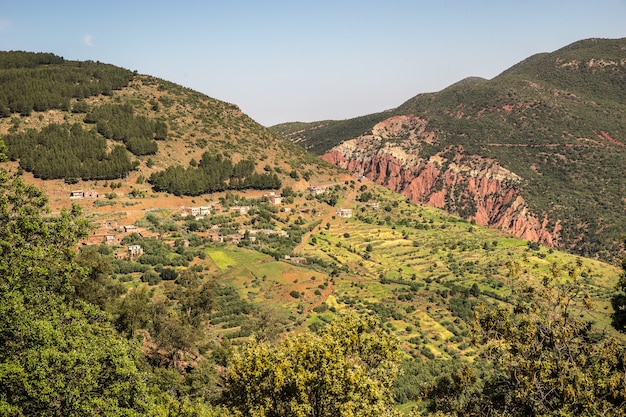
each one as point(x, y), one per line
point(471, 186)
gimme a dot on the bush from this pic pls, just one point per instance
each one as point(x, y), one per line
point(168, 274)
point(151, 277)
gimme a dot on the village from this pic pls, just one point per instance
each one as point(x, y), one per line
point(213, 221)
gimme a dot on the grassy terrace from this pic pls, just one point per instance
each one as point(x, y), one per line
point(422, 270)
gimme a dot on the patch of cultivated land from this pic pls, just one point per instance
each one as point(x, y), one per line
point(413, 264)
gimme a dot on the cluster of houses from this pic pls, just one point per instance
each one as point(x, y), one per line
point(111, 233)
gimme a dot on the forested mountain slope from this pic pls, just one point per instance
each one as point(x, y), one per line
point(538, 150)
point(75, 120)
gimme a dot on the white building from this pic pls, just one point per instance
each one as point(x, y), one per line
point(344, 213)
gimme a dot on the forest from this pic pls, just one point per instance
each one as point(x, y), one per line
point(118, 122)
point(42, 81)
point(67, 152)
point(213, 173)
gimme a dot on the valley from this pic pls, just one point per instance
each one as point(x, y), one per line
point(203, 264)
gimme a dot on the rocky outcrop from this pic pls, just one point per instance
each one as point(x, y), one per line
point(471, 186)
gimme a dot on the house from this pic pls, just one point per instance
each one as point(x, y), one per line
point(135, 251)
point(274, 199)
point(110, 240)
point(215, 237)
point(344, 213)
point(315, 190)
point(130, 228)
point(109, 224)
point(298, 260)
point(234, 238)
point(241, 209)
point(268, 232)
point(83, 194)
point(197, 212)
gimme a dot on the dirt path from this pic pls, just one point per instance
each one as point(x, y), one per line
point(331, 212)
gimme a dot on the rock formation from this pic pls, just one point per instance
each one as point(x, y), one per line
point(474, 187)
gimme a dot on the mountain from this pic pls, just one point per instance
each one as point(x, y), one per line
point(193, 262)
point(538, 150)
point(91, 121)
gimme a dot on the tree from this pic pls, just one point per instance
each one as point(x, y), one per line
point(548, 361)
point(59, 356)
point(618, 301)
point(346, 370)
point(64, 359)
point(93, 283)
point(133, 311)
point(265, 324)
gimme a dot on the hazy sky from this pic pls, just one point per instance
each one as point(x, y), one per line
point(308, 60)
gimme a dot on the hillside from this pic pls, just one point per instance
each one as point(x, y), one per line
point(130, 128)
point(192, 261)
point(538, 150)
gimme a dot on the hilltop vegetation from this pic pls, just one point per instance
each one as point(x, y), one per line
point(94, 121)
point(39, 82)
point(556, 121)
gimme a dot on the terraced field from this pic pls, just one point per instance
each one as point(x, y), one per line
point(423, 272)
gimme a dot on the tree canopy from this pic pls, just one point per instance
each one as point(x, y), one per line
point(67, 151)
point(548, 360)
point(59, 356)
point(214, 173)
point(346, 370)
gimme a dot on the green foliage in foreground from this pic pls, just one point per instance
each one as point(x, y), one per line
point(346, 370)
point(547, 361)
point(58, 356)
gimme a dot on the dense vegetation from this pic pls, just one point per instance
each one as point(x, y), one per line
point(229, 315)
point(77, 339)
point(67, 152)
point(213, 173)
point(38, 82)
point(118, 122)
point(556, 120)
point(547, 361)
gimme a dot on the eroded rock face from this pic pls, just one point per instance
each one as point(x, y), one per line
point(471, 186)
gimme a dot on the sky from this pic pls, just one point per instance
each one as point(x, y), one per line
point(303, 60)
